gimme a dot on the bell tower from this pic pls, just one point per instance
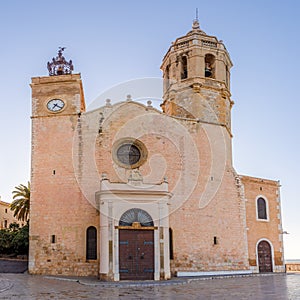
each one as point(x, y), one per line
point(196, 73)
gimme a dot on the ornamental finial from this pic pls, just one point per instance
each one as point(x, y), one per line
point(196, 21)
point(59, 65)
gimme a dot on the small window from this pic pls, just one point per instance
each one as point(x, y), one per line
point(91, 243)
point(5, 223)
point(53, 239)
point(171, 243)
point(6, 210)
point(184, 67)
point(261, 209)
point(215, 240)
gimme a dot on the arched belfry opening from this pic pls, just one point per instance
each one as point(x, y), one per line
point(184, 67)
point(167, 78)
point(227, 81)
point(210, 66)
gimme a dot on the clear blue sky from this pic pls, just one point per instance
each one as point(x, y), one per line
point(114, 41)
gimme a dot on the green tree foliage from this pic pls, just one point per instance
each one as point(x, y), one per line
point(21, 203)
point(14, 240)
point(20, 241)
point(5, 241)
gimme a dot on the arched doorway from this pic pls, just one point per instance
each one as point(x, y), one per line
point(136, 245)
point(264, 254)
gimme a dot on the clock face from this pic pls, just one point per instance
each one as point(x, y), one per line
point(55, 105)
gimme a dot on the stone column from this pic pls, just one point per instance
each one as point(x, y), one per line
point(104, 247)
point(156, 255)
point(116, 255)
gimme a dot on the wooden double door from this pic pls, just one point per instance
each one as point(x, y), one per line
point(136, 254)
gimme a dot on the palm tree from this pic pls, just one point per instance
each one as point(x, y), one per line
point(20, 205)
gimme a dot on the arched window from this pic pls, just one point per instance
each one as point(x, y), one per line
point(210, 66)
point(261, 208)
point(136, 215)
point(91, 243)
point(184, 67)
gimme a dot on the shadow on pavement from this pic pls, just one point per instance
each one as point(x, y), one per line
point(13, 266)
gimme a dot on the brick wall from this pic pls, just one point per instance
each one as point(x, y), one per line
point(260, 229)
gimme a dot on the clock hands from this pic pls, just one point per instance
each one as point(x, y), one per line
point(56, 105)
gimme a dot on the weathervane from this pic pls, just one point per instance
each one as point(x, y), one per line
point(196, 21)
point(59, 65)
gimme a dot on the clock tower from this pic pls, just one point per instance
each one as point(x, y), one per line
point(57, 104)
point(60, 93)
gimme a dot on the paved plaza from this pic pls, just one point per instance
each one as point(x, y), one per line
point(273, 286)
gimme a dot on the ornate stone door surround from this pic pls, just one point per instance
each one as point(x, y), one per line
point(113, 200)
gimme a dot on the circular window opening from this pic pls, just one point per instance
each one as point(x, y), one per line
point(129, 153)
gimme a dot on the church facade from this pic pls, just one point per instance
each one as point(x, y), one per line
point(130, 192)
point(7, 216)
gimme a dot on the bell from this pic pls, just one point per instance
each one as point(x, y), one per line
point(59, 71)
point(208, 71)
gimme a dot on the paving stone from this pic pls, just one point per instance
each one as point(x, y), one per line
point(272, 286)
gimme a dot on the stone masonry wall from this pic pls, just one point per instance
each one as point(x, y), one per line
point(58, 208)
point(270, 229)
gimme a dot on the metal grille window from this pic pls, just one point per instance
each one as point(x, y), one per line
point(136, 215)
point(91, 243)
point(261, 209)
point(128, 154)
